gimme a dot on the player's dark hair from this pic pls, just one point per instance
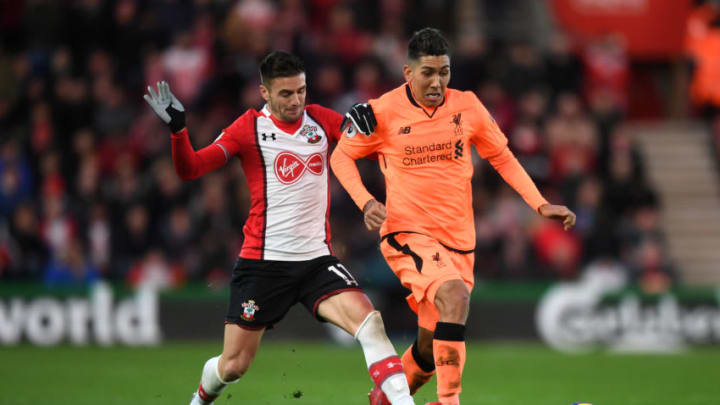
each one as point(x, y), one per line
point(280, 64)
point(427, 42)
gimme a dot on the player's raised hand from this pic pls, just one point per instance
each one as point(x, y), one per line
point(375, 214)
point(558, 212)
point(361, 115)
point(166, 106)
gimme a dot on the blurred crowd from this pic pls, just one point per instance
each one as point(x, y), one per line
point(87, 185)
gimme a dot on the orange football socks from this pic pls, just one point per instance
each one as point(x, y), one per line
point(449, 354)
point(417, 370)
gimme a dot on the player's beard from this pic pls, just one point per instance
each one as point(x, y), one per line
point(284, 113)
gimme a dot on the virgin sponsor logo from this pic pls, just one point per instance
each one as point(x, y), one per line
point(574, 317)
point(289, 167)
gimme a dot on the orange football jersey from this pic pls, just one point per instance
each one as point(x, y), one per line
point(425, 157)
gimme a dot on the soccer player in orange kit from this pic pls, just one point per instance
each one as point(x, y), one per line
point(421, 133)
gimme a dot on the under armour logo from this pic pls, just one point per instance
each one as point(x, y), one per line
point(459, 149)
point(266, 136)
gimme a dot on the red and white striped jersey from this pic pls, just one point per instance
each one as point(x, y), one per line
point(286, 166)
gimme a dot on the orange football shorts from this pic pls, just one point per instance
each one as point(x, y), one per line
point(423, 264)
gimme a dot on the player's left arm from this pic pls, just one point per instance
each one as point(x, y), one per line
point(491, 144)
point(515, 175)
point(353, 146)
point(189, 163)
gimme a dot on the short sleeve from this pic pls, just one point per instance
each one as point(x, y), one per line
point(487, 137)
point(327, 118)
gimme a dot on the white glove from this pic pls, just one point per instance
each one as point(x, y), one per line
point(166, 106)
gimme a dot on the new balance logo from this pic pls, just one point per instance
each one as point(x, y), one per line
point(266, 136)
point(459, 149)
point(404, 131)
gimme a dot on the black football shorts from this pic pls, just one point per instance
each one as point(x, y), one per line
point(262, 291)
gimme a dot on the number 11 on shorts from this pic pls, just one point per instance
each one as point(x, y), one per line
point(344, 274)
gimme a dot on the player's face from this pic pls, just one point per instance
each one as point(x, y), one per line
point(428, 76)
point(285, 97)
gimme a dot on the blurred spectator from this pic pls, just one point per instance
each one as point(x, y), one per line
point(154, 271)
point(98, 237)
point(131, 238)
point(572, 141)
point(607, 69)
point(28, 252)
point(16, 178)
point(70, 267)
point(390, 43)
point(57, 226)
point(525, 69)
point(559, 252)
point(113, 114)
point(564, 69)
point(594, 224)
point(367, 84)
point(187, 67)
point(469, 62)
point(498, 103)
point(645, 248)
point(703, 47)
point(343, 38)
point(328, 84)
point(526, 142)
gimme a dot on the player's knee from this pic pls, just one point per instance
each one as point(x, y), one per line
point(348, 310)
point(453, 301)
point(233, 368)
point(358, 311)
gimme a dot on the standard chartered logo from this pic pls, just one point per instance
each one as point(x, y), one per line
point(423, 154)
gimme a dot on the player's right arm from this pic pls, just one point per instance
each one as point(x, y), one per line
point(354, 145)
point(189, 164)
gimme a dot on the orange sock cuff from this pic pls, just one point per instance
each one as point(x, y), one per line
point(449, 353)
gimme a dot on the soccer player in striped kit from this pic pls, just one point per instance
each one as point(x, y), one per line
point(286, 256)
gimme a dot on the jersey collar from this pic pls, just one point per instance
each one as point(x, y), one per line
point(291, 128)
point(408, 92)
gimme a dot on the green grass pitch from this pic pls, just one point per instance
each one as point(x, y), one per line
point(321, 373)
